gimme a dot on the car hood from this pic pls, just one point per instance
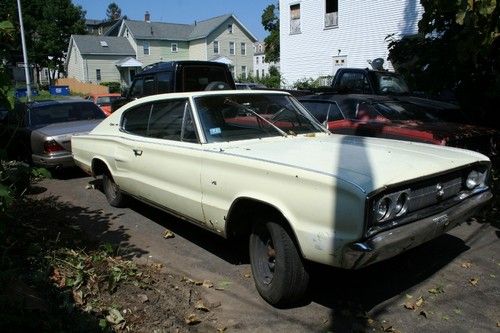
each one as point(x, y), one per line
point(368, 163)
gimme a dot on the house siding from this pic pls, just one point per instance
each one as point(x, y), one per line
point(160, 50)
point(198, 49)
point(75, 68)
point(106, 63)
point(238, 36)
point(359, 36)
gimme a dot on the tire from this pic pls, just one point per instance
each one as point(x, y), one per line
point(277, 267)
point(112, 191)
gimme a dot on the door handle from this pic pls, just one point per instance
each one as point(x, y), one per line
point(137, 152)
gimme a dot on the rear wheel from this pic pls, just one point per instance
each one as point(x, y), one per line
point(112, 191)
point(277, 267)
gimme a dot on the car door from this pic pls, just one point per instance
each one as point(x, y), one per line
point(165, 157)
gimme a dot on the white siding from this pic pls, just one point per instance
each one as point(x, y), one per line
point(360, 35)
point(198, 49)
point(75, 64)
point(109, 71)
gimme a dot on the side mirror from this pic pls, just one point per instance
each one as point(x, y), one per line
point(325, 123)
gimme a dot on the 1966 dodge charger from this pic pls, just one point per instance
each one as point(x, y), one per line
point(256, 166)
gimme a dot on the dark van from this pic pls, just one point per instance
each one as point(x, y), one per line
point(178, 76)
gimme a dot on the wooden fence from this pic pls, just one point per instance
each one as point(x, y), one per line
point(82, 88)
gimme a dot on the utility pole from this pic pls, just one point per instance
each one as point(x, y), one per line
point(25, 54)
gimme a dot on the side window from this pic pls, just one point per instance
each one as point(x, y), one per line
point(149, 86)
point(166, 119)
point(164, 82)
point(354, 82)
point(323, 111)
point(136, 90)
point(135, 120)
point(188, 133)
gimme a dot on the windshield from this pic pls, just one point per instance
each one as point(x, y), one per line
point(64, 112)
point(251, 116)
point(394, 111)
point(106, 100)
point(391, 84)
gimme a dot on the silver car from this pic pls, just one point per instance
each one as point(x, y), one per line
point(40, 132)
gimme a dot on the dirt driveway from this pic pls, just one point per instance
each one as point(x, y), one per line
point(451, 284)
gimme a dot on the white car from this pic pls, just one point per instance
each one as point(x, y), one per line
point(256, 166)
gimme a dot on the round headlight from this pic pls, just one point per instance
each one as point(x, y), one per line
point(472, 180)
point(382, 208)
point(401, 204)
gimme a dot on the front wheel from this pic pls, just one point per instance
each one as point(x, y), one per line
point(277, 267)
point(112, 191)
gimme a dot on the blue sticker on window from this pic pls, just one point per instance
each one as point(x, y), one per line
point(215, 131)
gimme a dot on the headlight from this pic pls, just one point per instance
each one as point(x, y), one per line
point(390, 206)
point(401, 204)
point(473, 179)
point(382, 208)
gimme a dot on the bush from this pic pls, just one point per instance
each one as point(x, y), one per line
point(114, 87)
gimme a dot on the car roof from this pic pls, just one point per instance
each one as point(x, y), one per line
point(169, 65)
point(332, 97)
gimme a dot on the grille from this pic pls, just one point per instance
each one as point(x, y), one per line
point(434, 192)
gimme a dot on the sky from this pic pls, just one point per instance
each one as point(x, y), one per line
point(184, 11)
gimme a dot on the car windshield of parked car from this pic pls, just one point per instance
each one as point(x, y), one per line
point(391, 84)
point(64, 112)
point(400, 111)
point(230, 117)
point(106, 100)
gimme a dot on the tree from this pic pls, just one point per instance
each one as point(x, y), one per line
point(457, 48)
point(271, 23)
point(6, 39)
point(48, 26)
point(113, 12)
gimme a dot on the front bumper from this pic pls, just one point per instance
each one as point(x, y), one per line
point(392, 242)
point(54, 161)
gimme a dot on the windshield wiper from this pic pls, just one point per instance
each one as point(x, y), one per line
point(233, 103)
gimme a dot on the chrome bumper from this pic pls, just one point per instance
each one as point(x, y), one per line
point(53, 161)
point(392, 242)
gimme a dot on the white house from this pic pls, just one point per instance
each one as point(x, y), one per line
point(260, 65)
point(318, 36)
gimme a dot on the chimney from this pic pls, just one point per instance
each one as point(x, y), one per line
point(147, 17)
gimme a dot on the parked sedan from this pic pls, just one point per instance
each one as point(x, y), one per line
point(254, 166)
point(104, 101)
point(385, 117)
point(40, 132)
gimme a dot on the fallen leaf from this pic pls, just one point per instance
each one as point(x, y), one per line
point(192, 319)
point(423, 313)
point(493, 276)
point(466, 265)
point(168, 234)
point(222, 285)
point(387, 328)
point(221, 329)
point(370, 321)
point(143, 298)
point(247, 275)
point(419, 302)
point(89, 187)
point(409, 296)
point(78, 297)
point(457, 311)
point(437, 290)
point(409, 306)
point(474, 281)
point(114, 317)
point(446, 318)
point(201, 306)
point(207, 284)
point(498, 323)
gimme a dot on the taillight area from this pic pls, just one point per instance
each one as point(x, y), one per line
point(50, 147)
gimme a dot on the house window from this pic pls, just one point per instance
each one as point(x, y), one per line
point(229, 28)
point(295, 19)
point(243, 48)
point(257, 73)
point(145, 46)
point(216, 46)
point(231, 47)
point(262, 71)
point(263, 59)
point(331, 13)
point(257, 60)
point(173, 47)
point(98, 75)
point(244, 71)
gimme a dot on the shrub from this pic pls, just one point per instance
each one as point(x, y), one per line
point(114, 87)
